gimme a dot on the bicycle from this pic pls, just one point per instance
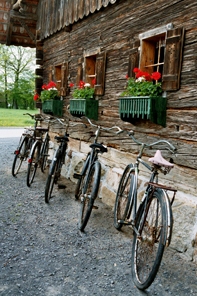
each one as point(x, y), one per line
point(39, 152)
point(57, 162)
point(89, 179)
point(152, 222)
point(25, 143)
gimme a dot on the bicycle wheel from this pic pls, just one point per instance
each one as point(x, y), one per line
point(125, 196)
point(89, 194)
point(79, 185)
point(33, 162)
point(52, 177)
point(149, 243)
point(20, 155)
point(44, 154)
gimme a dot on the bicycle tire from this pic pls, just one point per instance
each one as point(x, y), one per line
point(80, 181)
point(52, 177)
point(33, 162)
point(148, 246)
point(20, 155)
point(125, 196)
point(90, 192)
point(44, 154)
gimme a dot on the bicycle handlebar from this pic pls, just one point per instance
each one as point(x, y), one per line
point(104, 128)
point(131, 135)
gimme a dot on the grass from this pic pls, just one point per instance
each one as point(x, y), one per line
point(11, 117)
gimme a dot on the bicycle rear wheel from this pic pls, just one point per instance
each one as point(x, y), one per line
point(52, 178)
point(149, 243)
point(79, 185)
point(33, 163)
point(89, 194)
point(125, 196)
point(20, 155)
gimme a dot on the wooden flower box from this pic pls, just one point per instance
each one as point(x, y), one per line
point(53, 107)
point(82, 107)
point(152, 108)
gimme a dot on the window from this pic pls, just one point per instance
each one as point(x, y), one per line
point(59, 74)
point(159, 50)
point(92, 66)
point(152, 54)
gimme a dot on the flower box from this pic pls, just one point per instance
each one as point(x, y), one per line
point(53, 107)
point(82, 107)
point(152, 108)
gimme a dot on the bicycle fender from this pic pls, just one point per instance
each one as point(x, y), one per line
point(169, 218)
point(32, 148)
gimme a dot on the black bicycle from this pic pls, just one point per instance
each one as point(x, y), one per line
point(89, 179)
point(57, 161)
point(152, 222)
point(25, 143)
point(39, 150)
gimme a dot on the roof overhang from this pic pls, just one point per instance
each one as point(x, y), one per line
point(18, 22)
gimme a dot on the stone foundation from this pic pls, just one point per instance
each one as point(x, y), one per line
point(184, 238)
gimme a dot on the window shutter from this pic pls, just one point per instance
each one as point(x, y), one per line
point(79, 71)
point(100, 73)
point(51, 73)
point(133, 59)
point(64, 79)
point(173, 59)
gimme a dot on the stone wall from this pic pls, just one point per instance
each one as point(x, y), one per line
point(184, 238)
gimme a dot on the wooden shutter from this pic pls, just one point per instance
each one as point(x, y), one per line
point(100, 73)
point(79, 71)
point(64, 79)
point(173, 59)
point(51, 73)
point(133, 59)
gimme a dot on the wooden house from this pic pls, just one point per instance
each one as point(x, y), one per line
point(80, 39)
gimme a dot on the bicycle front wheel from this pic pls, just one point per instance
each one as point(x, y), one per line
point(124, 197)
point(33, 163)
point(51, 179)
point(149, 242)
point(89, 194)
point(20, 155)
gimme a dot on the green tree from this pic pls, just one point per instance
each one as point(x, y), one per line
point(17, 76)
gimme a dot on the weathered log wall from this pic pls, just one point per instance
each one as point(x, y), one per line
point(113, 30)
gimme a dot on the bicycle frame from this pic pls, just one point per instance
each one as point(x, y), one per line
point(133, 209)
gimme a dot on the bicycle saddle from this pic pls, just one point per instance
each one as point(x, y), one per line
point(159, 160)
point(99, 146)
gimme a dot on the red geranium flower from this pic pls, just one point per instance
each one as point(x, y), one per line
point(44, 86)
point(135, 70)
point(156, 75)
point(81, 84)
point(71, 84)
point(36, 97)
point(93, 81)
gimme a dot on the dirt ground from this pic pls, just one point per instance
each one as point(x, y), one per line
point(42, 252)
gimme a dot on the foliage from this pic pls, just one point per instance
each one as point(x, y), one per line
point(144, 84)
point(49, 92)
point(13, 117)
point(83, 91)
point(17, 76)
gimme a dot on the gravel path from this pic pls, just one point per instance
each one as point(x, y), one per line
point(43, 253)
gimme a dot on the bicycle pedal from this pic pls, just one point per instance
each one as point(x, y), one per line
point(125, 222)
point(77, 176)
point(61, 186)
